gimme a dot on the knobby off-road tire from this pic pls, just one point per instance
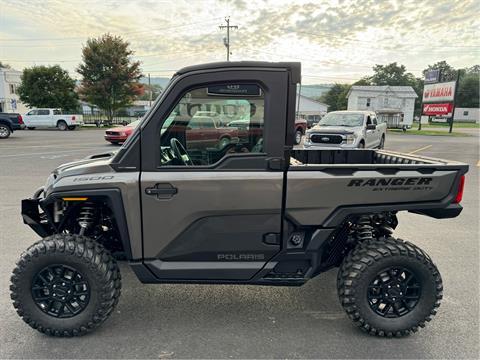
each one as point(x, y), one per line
point(93, 267)
point(364, 279)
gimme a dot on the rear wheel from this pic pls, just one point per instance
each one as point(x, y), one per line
point(389, 287)
point(62, 125)
point(65, 285)
point(4, 131)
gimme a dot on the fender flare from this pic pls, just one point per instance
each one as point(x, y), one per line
point(113, 199)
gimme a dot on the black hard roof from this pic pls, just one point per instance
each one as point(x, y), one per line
point(295, 67)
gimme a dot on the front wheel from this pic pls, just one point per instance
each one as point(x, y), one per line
point(382, 143)
point(298, 136)
point(65, 285)
point(389, 287)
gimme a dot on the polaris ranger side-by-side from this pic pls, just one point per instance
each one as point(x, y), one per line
point(251, 211)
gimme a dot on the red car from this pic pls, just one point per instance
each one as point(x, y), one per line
point(120, 134)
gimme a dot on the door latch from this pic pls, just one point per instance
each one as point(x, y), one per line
point(162, 190)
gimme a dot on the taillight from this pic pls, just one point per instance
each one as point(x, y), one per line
point(461, 186)
point(73, 118)
point(20, 120)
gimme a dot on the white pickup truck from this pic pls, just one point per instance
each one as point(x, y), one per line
point(347, 129)
point(51, 118)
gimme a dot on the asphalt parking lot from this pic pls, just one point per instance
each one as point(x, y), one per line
point(200, 321)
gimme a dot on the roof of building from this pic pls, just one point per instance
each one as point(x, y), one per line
point(401, 91)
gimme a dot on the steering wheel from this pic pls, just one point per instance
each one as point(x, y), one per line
point(180, 152)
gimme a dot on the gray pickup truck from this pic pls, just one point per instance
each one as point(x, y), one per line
point(256, 211)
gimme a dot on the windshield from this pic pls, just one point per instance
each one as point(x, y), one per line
point(341, 119)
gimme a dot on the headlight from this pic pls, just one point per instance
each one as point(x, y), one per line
point(350, 139)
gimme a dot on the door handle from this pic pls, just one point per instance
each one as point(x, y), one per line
point(162, 191)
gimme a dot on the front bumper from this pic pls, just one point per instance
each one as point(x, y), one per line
point(115, 138)
point(32, 217)
point(320, 146)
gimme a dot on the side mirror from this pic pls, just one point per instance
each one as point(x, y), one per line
point(371, 127)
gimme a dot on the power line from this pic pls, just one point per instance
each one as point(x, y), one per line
point(226, 41)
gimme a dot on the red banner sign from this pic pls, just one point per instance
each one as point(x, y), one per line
point(437, 109)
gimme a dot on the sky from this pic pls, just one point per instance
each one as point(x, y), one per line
point(336, 41)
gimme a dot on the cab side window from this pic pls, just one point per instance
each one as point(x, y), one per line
point(213, 122)
point(43, 112)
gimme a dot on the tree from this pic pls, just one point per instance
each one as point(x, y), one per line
point(154, 88)
point(468, 89)
point(109, 77)
point(391, 74)
point(48, 86)
point(365, 81)
point(336, 97)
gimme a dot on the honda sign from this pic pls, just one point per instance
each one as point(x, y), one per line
point(437, 109)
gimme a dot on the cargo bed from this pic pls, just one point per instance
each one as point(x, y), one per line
point(325, 186)
point(347, 158)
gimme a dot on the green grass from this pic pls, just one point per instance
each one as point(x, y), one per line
point(455, 124)
point(427, 132)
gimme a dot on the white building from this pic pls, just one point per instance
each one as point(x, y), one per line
point(467, 115)
point(393, 104)
point(9, 100)
point(310, 109)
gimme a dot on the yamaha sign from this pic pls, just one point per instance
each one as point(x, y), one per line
point(439, 92)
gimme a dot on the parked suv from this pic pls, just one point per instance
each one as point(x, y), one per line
point(347, 129)
point(52, 118)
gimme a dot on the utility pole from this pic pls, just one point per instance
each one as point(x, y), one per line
point(455, 95)
point(226, 41)
point(150, 90)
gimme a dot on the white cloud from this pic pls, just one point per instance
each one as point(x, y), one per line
point(335, 40)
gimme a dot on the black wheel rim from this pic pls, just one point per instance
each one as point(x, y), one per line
point(60, 291)
point(394, 292)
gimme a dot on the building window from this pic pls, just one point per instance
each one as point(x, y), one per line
point(12, 89)
point(368, 102)
point(385, 101)
point(465, 113)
